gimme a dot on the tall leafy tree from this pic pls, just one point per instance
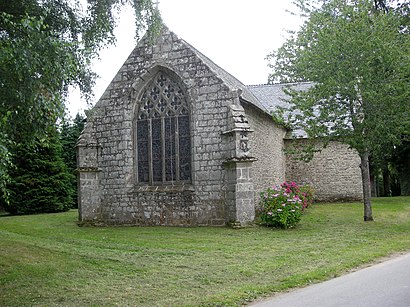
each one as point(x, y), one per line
point(357, 57)
point(45, 47)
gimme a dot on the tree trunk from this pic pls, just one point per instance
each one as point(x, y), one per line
point(364, 166)
point(386, 181)
point(373, 182)
point(404, 177)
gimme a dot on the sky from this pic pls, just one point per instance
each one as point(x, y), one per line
point(235, 34)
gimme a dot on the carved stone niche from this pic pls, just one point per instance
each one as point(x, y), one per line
point(240, 207)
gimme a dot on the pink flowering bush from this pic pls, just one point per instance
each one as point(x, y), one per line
point(304, 192)
point(282, 206)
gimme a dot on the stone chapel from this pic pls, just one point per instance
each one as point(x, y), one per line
point(177, 140)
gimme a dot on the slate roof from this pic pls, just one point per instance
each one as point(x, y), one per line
point(272, 96)
point(265, 97)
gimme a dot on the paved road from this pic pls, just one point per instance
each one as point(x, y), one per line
point(384, 284)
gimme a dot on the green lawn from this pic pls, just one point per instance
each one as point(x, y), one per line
point(47, 260)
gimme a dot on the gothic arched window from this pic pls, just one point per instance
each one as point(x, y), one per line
point(163, 139)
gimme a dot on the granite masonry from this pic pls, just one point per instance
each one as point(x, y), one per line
point(176, 140)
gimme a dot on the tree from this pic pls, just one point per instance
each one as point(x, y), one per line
point(381, 5)
point(45, 47)
point(358, 60)
point(40, 181)
point(70, 132)
point(401, 161)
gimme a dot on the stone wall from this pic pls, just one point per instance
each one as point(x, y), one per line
point(334, 172)
point(266, 143)
point(121, 199)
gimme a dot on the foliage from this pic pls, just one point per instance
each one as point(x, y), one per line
point(304, 192)
point(358, 62)
point(46, 46)
point(282, 206)
point(5, 160)
point(70, 132)
point(47, 260)
point(401, 161)
point(40, 181)
point(357, 59)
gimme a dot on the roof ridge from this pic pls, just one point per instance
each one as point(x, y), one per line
point(259, 84)
point(279, 84)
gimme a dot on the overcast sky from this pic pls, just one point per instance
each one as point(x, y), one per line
point(235, 34)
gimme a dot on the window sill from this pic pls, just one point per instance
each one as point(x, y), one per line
point(182, 187)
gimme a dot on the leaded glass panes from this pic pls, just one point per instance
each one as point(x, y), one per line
point(142, 151)
point(184, 148)
point(163, 133)
point(183, 126)
point(185, 169)
point(156, 142)
point(170, 150)
point(156, 129)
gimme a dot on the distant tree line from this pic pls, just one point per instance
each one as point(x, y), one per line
point(391, 176)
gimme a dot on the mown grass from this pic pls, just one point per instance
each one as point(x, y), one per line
point(47, 260)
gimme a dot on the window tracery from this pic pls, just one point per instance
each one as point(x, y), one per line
point(163, 138)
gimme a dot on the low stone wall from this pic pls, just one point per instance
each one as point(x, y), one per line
point(334, 172)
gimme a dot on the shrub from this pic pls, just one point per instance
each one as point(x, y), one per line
point(282, 206)
point(304, 192)
point(307, 194)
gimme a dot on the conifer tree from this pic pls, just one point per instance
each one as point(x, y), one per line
point(70, 132)
point(40, 181)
